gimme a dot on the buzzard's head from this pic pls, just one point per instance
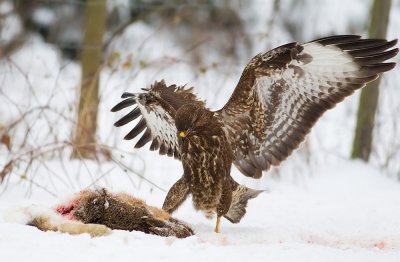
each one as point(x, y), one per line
point(191, 119)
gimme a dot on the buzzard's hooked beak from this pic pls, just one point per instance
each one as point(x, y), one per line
point(182, 134)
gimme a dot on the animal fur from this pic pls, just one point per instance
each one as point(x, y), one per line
point(98, 212)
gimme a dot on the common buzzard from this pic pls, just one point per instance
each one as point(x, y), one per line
point(279, 97)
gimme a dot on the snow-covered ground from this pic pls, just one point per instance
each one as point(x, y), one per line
point(349, 212)
point(322, 207)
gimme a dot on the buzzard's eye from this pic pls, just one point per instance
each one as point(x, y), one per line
point(182, 134)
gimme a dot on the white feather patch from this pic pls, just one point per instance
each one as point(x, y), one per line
point(161, 125)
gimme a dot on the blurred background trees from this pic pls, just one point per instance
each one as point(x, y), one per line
point(91, 62)
point(363, 139)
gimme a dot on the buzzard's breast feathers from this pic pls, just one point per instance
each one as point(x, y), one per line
point(283, 92)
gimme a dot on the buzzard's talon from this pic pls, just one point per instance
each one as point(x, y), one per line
point(216, 230)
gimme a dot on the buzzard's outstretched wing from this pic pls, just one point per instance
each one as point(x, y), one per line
point(283, 92)
point(157, 109)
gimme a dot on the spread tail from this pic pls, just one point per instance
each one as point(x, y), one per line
point(240, 197)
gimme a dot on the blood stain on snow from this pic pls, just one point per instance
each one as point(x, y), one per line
point(380, 245)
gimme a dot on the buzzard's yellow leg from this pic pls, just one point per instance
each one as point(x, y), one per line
point(217, 225)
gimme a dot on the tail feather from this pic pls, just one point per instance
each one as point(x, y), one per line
point(240, 196)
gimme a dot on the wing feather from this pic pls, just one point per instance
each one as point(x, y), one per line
point(157, 109)
point(144, 139)
point(135, 113)
point(283, 92)
point(136, 130)
point(125, 103)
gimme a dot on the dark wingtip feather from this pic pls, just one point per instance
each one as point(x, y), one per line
point(361, 43)
point(372, 50)
point(144, 139)
point(123, 104)
point(135, 113)
point(163, 149)
point(136, 130)
point(397, 51)
point(392, 43)
point(170, 152)
point(336, 39)
point(378, 68)
point(155, 145)
point(126, 94)
point(376, 58)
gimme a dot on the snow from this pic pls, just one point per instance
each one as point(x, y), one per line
point(11, 25)
point(347, 213)
point(321, 207)
point(43, 16)
point(6, 7)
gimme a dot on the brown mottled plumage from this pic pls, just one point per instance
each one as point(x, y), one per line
point(206, 157)
point(279, 97)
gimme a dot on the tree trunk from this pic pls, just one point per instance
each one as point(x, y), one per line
point(362, 143)
point(85, 132)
